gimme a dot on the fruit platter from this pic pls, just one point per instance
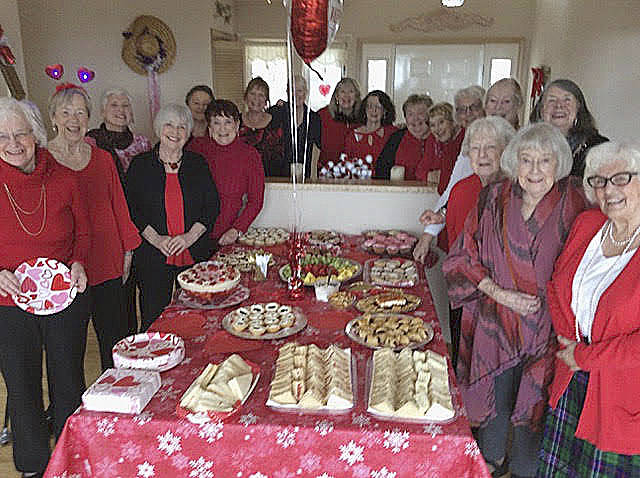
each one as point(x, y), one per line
point(315, 266)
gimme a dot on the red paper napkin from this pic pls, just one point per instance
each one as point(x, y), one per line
point(333, 320)
point(184, 325)
point(223, 342)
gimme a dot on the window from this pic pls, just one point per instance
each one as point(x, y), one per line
point(269, 60)
point(500, 68)
point(377, 75)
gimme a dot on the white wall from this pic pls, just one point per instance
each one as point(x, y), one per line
point(10, 22)
point(596, 44)
point(89, 33)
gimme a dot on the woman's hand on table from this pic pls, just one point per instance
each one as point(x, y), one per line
point(9, 283)
point(517, 301)
point(431, 217)
point(229, 237)
point(422, 247)
point(78, 277)
point(126, 266)
point(566, 354)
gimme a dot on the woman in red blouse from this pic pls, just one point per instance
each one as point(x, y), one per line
point(377, 114)
point(236, 170)
point(443, 146)
point(260, 130)
point(174, 204)
point(42, 214)
point(338, 117)
point(113, 235)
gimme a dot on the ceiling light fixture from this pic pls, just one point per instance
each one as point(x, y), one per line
point(452, 3)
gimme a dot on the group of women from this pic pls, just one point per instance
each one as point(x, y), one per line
point(542, 284)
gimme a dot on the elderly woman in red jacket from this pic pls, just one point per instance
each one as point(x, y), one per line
point(594, 298)
point(42, 214)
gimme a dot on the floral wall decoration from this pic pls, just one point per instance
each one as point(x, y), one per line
point(442, 20)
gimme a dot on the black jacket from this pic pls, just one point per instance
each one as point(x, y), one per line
point(387, 158)
point(145, 187)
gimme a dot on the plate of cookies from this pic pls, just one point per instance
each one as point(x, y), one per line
point(395, 331)
point(264, 236)
point(389, 301)
point(243, 259)
point(397, 272)
point(265, 321)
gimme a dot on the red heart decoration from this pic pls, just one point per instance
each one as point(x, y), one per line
point(28, 285)
point(107, 379)
point(40, 264)
point(22, 268)
point(140, 345)
point(127, 381)
point(58, 283)
point(163, 351)
point(324, 89)
point(85, 75)
point(54, 71)
point(48, 304)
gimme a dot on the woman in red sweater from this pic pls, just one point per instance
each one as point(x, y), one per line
point(42, 214)
point(594, 299)
point(113, 235)
point(338, 118)
point(236, 170)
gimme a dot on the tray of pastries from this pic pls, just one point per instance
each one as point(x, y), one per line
point(389, 301)
point(264, 236)
point(390, 243)
point(342, 299)
point(310, 378)
point(242, 259)
point(410, 385)
point(396, 272)
point(221, 389)
point(395, 331)
point(264, 321)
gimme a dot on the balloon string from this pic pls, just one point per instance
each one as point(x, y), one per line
point(315, 71)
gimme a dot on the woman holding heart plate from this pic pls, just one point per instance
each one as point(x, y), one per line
point(42, 214)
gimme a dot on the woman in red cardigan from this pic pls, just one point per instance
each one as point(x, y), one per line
point(236, 171)
point(113, 234)
point(594, 298)
point(42, 214)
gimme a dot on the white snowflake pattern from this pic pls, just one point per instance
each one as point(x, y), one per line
point(396, 440)
point(168, 381)
point(66, 475)
point(258, 475)
point(199, 339)
point(310, 331)
point(361, 471)
point(310, 462)
point(107, 427)
point(180, 461)
point(169, 443)
point(168, 393)
point(211, 431)
point(471, 449)
point(383, 473)
point(143, 418)
point(248, 419)
point(146, 470)
point(186, 361)
point(324, 427)
point(130, 450)
point(433, 429)
point(201, 468)
point(199, 418)
point(324, 475)
point(351, 453)
point(361, 420)
point(287, 437)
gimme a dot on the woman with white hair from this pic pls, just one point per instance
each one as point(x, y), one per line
point(497, 272)
point(113, 235)
point(114, 134)
point(43, 214)
point(594, 298)
point(468, 105)
point(174, 204)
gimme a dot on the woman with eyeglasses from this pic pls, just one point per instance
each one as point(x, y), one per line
point(594, 297)
point(497, 271)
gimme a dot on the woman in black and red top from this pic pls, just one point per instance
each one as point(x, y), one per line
point(262, 130)
point(42, 214)
point(174, 204)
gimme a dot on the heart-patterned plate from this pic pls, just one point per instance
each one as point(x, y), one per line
point(45, 286)
point(158, 351)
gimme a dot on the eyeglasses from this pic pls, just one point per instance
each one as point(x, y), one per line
point(618, 179)
point(469, 108)
point(18, 136)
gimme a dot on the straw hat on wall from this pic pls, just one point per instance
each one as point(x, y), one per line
point(148, 44)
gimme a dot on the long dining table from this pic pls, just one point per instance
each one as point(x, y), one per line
point(260, 441)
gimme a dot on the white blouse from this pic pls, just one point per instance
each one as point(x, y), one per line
point(594, 275)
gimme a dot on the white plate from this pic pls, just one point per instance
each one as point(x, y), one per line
point(45, 286)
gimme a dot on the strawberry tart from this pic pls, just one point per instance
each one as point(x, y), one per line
point(209, 280)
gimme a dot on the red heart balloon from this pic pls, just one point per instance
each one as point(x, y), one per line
point(324, 89)
point(55, 71)
point(314, 24)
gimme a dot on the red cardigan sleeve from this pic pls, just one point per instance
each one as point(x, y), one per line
point(128, 232)
point(255, 193)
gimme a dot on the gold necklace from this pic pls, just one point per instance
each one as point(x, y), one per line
point(16, 207)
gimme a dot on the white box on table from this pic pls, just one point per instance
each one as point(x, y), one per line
point(121, 391)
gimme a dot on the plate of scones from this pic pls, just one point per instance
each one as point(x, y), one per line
point(264, 321)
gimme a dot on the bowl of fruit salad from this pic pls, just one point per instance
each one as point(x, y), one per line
point(316, 266)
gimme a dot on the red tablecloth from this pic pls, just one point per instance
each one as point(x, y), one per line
point(260, 442)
